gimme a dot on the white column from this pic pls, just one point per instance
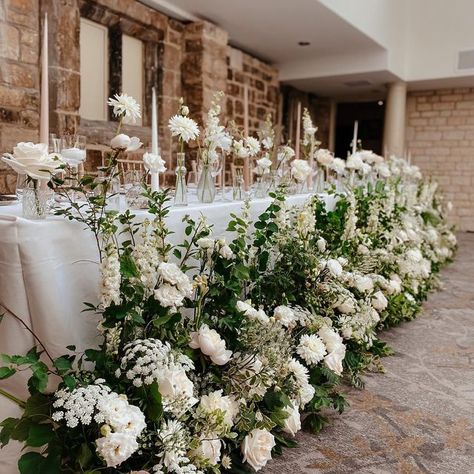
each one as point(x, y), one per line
point(395, 118)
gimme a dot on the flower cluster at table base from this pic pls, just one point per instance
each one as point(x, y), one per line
point(211, 350)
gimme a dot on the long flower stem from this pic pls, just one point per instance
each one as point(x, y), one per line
point(11, 397)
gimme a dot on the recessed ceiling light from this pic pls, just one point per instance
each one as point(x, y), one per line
point(380, 102)
point(303, 43)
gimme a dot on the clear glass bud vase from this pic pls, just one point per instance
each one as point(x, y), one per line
point(206, 189)
point(35, 200)
point(181, 193)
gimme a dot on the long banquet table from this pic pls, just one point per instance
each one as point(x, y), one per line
point(48, 269)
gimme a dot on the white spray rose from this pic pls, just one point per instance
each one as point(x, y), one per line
point(285, 315)
point(363, 283)
point(115, 448)
point(334, 267)
point(257, 448)
point(124, 142)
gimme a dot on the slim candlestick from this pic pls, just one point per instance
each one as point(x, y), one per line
point(154, 124)
point(354, 139)
point(155, 181)
point(246, 173)
point(298, 131)
point(44, 112)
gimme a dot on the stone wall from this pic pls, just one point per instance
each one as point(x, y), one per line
point(261, 80)
point(440, 137)
point(190, 60)
point(19, 79)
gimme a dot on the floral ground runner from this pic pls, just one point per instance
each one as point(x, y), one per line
point(213, 349)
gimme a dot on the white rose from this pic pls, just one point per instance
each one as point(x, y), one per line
point(173, 383)
point(321, 243)
point(292, 423)
point(362, 249)
point(305, 394)
point(363, 283)
point(124, 142)
point(334, 359)
point(116, 448)
point(334, 267)
point(169, 296)
point(33, 160)
point(285, 315)
point(332, 340)
point(211, 344)
point(379, 301)
point(170, 272)
point(257, 448)
point(123, 417)
point(210, 449)
point(154, 163)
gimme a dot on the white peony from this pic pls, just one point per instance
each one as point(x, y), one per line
point(154, 163)
point(211, 344)
point(379, 301)
point(292, 423)
point(115, 448)
point(257, 448)
point(123, 417)
point(311, 349)
point(285, 315)
point(124, 142)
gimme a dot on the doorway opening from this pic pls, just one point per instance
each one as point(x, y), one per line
point(370, 116)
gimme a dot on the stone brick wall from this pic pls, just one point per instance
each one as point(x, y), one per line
point(263, 89)
point(19, 78)
point(191, 60)
point(440, 137)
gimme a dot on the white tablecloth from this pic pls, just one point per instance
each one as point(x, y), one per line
point(48, 269)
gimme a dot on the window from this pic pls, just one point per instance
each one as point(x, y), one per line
point(132, 69)
point(94, 70)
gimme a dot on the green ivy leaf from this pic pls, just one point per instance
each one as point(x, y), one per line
point(30, 463)
point(154, 405)
point(39, 435)
point(6, 372)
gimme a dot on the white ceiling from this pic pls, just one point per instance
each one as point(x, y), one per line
point(351, 40)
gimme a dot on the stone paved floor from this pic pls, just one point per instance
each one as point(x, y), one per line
point(419, 416)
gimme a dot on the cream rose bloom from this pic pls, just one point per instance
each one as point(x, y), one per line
point(257, 448)
point(285, 315)
point(321, 243)
point(324, 157)
point(173, 383)
point(169, 296)
point(292, 423)
point(116, 448)
point(154, 163)
point(300, 170)
point(211, 344)
point(334, 360)
point(209, 448)
point(124, 142)
point(363, 283)
point(346, 305)
point(32, 159)
point(334, 267)
point(216, 401)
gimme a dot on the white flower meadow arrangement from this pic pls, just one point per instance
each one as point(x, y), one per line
point(212, 349)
